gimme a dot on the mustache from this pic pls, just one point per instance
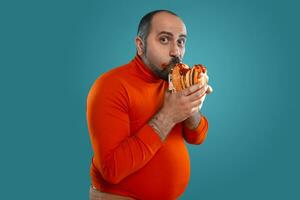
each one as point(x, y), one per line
point(175, 60)
point(172, 63)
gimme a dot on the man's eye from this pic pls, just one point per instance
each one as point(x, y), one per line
point(164, 40)
point(181, 42)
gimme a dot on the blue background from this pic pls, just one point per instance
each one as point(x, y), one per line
point(52, 51)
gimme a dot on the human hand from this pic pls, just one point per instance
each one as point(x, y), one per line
point(208, 91)
point(180, 105)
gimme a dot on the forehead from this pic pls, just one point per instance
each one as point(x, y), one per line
point(166, 22)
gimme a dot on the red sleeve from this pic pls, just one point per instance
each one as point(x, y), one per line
point(198, 135)
point(117, 152)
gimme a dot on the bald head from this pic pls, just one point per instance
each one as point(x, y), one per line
point(146, 21)
point(168, 23)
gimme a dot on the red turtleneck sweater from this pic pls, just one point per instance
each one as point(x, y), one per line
point(129, 157)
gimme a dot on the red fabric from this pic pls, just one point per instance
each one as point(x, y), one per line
point(129, 157)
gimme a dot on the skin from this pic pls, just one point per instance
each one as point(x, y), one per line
point(165, 42)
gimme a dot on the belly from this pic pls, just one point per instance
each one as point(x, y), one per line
point(166, 175)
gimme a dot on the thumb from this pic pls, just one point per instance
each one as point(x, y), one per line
point(209, 90)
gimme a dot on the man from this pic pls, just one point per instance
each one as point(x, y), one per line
point(137, 127)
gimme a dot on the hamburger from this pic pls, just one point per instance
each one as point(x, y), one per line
point(181, 76)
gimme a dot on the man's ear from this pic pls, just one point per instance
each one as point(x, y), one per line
point(139, 45)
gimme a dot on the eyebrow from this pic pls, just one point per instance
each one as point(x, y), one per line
point(171, 34)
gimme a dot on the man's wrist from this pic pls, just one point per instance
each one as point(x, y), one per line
point(193, 121)
point(161, 124)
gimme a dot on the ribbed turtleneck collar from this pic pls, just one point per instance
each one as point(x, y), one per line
point(145, 72)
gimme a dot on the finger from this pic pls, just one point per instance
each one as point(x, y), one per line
point(199, 104)
point(202, 87)
point(202, 101)
point(191, 89)
point(199, 101)
point(209, 90)
point(197, 95)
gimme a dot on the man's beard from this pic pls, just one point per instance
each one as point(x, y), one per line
point(162, 73)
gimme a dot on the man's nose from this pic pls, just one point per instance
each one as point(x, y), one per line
point(174, 51)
